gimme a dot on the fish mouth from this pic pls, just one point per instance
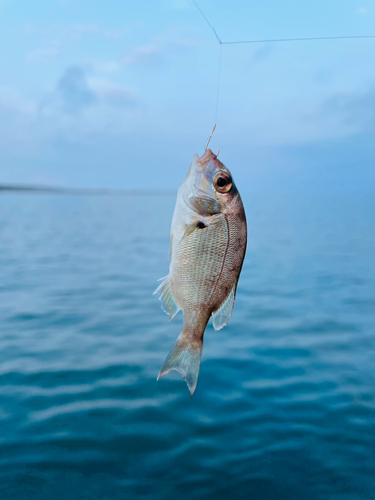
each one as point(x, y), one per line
point(209, 156)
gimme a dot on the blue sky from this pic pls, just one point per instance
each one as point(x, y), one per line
point(121, 94)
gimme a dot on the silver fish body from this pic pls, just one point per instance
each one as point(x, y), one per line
point(208, 244)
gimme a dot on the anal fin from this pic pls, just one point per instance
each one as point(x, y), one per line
point(222, 315)
point(168, 302)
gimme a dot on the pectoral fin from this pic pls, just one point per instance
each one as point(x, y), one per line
point(222, 315)
point(168, 302)
point(190, 229)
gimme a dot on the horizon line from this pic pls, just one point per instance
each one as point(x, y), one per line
point(30, 188)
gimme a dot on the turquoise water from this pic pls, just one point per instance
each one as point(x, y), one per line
point(285, 402)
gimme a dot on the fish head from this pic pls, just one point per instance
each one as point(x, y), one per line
point(208, 187)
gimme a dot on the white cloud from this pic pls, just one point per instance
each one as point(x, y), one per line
point(17, 116)
point(4, 3)
point(176, 36)
point(362, 10)
point(354, 110)
point(68, 35)
point(148, 55)
point(77, 93)
point(42, 56)
point(11, 99)
point(173, 41)
point(105, 66)
point(80, 105)
point(112, 94)
point(79, 30)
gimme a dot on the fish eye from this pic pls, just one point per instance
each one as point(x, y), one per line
point(222, 182)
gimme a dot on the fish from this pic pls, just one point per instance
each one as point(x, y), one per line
point(207, 250)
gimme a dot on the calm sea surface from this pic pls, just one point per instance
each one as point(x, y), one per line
point(285, 402)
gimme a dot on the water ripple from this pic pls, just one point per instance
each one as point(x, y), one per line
point(285, 404)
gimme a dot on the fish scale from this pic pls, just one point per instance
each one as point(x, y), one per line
point(203, 256)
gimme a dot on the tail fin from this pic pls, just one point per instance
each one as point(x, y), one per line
point(185, 357)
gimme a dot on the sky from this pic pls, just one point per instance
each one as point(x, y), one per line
point(122, 94)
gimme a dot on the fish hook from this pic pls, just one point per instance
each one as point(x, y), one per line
point(208, 142)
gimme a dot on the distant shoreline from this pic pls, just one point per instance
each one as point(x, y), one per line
point(77, 191)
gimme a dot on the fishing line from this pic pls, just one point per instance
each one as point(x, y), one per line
point(272, 40)
point(207, 21)
point(220, 55)
point(299, 39)
point(218, 83)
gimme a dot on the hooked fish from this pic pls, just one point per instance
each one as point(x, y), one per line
point(208, 244)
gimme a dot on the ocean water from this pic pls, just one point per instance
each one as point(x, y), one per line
point(285, 402)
